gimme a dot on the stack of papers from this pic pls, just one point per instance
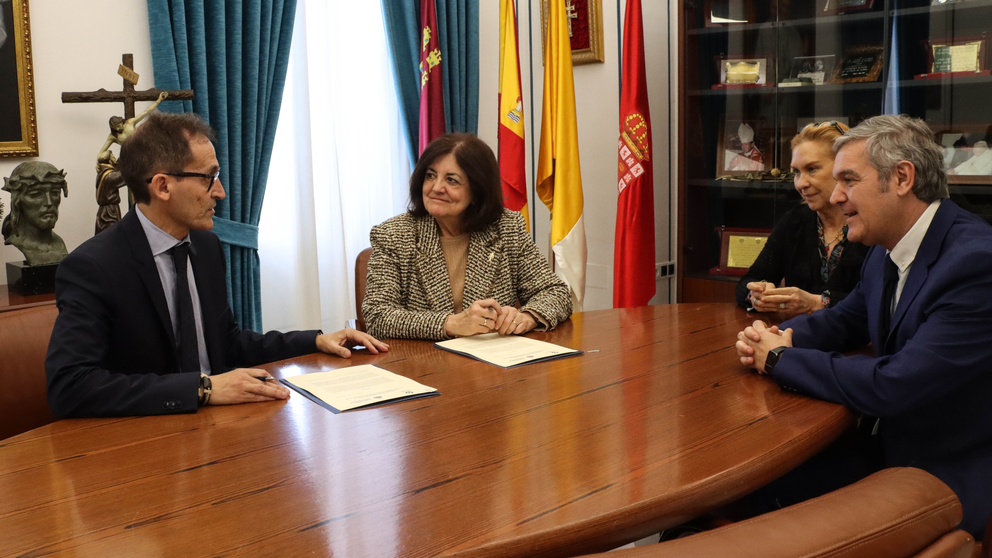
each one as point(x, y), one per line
point(357, 386)
point(508, 351)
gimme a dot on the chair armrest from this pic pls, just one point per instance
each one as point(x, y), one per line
point(895, 513)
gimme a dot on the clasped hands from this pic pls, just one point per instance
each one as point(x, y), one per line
point(487, 316)
point(756, 340)
point(788, 301)
point(245, 385)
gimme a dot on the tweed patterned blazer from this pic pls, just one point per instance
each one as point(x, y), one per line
point(409, 294)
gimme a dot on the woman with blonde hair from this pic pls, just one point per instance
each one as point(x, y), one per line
point(808, 250)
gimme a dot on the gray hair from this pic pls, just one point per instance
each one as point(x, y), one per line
point(890, 139)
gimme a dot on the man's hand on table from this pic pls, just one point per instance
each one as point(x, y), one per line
point(245, 385)
point(756, 340)
point(339, 342)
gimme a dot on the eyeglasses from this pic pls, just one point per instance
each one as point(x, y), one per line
point(213, 177)
point(831, 123)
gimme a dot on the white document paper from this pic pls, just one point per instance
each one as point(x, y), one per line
point(507, 351)
point(358, 386)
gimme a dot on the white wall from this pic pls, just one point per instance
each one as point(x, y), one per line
point(76, 49)
point(597, 101)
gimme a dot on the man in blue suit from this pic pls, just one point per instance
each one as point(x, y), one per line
point(925, 305)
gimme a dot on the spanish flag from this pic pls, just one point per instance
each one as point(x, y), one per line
point(510, 131)
point(559, 180)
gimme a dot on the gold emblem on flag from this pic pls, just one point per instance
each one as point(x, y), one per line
point(635, 136)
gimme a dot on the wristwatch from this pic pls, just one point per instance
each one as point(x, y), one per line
point(772, 359)
point(206, 387)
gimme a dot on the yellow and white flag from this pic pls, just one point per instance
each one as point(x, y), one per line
point(559, 180)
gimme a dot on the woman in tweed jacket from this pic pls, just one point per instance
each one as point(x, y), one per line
point(457, 263)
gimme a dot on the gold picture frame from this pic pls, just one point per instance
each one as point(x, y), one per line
point(587, 20)
point(739, 248)
point(18, 120)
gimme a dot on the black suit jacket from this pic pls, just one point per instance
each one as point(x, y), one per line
point(113, 349)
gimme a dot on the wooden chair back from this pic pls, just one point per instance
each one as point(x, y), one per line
point(24, 336)
point(361, 279)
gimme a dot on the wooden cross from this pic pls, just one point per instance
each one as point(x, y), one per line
point(570, 14)
point(128, 95)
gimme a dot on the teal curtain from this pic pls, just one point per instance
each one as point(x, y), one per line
point(458, 21)
point(459, 35)
point(402, 22)
point(234, 56)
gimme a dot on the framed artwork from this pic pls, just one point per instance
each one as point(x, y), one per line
point(967, 157)
point(18, 124)
point(838, 6)
point(739, 248)
point(585, 29)
point(744, 145)
point(819, 69)
point(742, 71)
point(721, 13)
point(859, 64)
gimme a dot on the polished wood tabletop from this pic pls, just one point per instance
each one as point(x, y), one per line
point(656, 423)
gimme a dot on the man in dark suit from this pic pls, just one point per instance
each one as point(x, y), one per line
point(925, 305)
point(144, 325)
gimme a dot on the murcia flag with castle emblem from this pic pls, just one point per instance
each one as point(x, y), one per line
point(431, 90)
point(633, 255)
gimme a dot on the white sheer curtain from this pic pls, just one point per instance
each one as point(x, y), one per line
point(339, 165)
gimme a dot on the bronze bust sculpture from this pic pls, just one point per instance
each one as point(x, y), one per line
point(36, 189)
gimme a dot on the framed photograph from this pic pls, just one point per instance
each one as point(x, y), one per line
point(839, 6)
point(742, 71)
point(739, 248)
point(967, 156)
point(721, 13)
point(744, 145)
point(817, 68)
point(18, 124)
point(859, 64)
point(585, 29)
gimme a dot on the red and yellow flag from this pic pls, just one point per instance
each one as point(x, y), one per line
point(431, 91)
point(510, 131)
point(559, 179)
point(633, 260)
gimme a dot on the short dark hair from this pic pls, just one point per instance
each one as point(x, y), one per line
point(160, 144)
point(478, 163)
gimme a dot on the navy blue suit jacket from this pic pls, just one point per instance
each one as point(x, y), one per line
point(933, 388)
point(113, 350)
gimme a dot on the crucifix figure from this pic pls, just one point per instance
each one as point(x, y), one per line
point(570, 14)
point(108, 179)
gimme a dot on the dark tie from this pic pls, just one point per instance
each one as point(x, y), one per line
point(188, 350)
point(890, 279)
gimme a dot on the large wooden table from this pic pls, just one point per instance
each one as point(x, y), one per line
point(655, 424)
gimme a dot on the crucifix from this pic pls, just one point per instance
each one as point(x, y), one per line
point(108, 179)
point(570, 14)
point(128, 95)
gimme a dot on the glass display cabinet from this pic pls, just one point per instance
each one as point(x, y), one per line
point(755, 72)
